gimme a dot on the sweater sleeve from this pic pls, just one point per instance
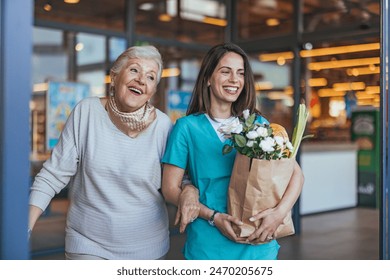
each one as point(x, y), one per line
point(60, 167)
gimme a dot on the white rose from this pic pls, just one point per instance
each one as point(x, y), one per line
point(279, 140)
point(289, 146)
point(262, 131)
point(252, 135)
point(238, 129)
point(246, 113)
point(267, 145)
point(250, 143)
point(230, 127)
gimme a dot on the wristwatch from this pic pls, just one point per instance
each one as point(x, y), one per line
point(211, 220)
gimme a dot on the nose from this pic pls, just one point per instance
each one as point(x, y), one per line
point(140, 78)
point(233, 78)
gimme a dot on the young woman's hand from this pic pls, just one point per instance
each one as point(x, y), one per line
point(270, 220)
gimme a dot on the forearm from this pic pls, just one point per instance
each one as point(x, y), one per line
point(171, 183)
point(293, 190)
point(34, 214)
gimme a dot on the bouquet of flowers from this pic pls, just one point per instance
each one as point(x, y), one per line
point(262, 169)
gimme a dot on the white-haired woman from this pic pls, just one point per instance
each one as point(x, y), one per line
point(109, 154)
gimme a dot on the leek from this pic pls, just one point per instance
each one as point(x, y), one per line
point(299, 129)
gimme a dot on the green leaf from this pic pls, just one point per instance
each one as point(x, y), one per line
point(226, 149)
point(240, 140)
point(250, 120)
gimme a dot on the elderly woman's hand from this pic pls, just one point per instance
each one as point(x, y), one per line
point(188, 208)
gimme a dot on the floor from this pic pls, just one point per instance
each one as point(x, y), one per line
point(349, 234)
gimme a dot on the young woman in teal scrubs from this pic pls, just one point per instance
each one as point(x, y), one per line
point(223, 90)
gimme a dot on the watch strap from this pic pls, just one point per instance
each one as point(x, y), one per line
point(211, 220)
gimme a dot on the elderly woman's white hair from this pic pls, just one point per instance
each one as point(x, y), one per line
point(144, 52)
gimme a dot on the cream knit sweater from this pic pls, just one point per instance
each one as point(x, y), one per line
point(116, 210)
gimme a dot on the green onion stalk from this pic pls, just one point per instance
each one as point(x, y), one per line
point(299, 129)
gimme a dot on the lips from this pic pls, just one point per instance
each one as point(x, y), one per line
point(136, 90)
point(231, 89)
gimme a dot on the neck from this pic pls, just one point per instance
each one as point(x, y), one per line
point(221, 112)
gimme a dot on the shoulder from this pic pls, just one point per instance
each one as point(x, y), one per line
point(261, 120)
point(88, 102)
point(163, 118)
point(190, 119)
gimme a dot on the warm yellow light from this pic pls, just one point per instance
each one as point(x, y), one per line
point(272, 22)
point(340, 50)
point(165, 17)
point(367, 102)
point(40, 87)
point(373, 89)
point(107, 79)
point(317, 66)
point(170, 72)
point(349, 86)
point(276, 56)
point(363, 95)
point(264, 85)
point(71, 1)
point(47, 7)
point(215, 21)
point(372, 69)
point(289, 90)
point(281, 61)
point(329, 92)
point(317, 82)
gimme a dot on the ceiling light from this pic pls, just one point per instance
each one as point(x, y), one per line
point(47, 7)
point(165, 17)
point(340, 50)
point(263, 85)
point(317, 82)
point(146, 6)
point(215, 21)
point(349, 86)
point(71, 1)
point(272, 22)
point(79, 47)
point(330, 92)
point(170, 72)
point(372, 69)
point(40, 87)
point(276, 56)
point(342, 63)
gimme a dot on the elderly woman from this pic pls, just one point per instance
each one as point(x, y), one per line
point(109, 154)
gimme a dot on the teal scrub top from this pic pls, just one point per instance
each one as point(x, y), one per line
point(194, 145)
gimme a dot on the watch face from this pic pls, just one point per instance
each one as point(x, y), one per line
point(211, 222)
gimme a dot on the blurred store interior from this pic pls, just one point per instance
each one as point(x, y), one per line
point(325, 54)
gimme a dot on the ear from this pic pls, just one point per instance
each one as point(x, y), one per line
point(112, 77)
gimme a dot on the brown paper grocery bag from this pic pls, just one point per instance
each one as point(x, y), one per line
point(256, 185)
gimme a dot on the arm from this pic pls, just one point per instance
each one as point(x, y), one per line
point(34, 214)
point(186, 198)
point(273, 217)
point(188, 208)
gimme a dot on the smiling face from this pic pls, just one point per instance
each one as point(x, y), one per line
point(135, 84)
point(227, 81)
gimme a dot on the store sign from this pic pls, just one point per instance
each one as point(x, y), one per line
point(61, 98)
point(177, 103)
